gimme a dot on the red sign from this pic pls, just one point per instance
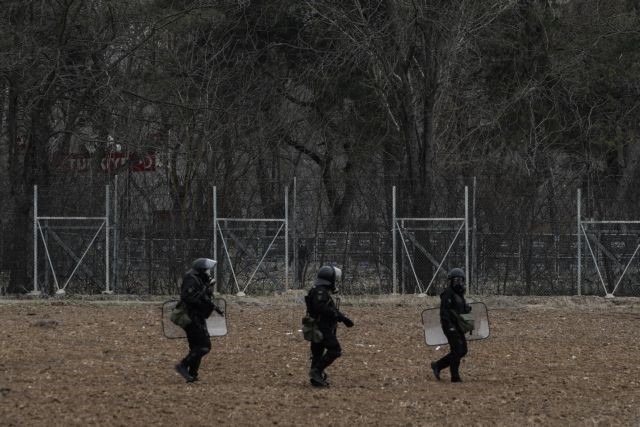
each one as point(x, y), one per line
point(112, 162)
point(146, 163)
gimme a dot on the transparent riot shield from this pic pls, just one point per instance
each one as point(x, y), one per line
point(433, 334)
point(216, 324)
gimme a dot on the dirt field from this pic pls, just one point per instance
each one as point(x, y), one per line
point(549, 361)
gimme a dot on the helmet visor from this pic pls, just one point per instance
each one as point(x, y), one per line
point(204, 264)
point(338, 273)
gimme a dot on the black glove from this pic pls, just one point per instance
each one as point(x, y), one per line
point(347, 322)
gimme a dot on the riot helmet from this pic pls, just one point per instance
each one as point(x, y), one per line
point(203, 266)
point(457, 280)
point(328, 275)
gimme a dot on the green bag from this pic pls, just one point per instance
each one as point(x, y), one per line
point(311, 329)
point(465, 322)
point(468, 319)
point(179, 316)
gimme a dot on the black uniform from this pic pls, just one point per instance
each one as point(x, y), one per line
point(452, 301)
point(197, 297)
point(320, 306)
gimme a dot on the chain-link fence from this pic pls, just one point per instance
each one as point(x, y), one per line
point(151, 229)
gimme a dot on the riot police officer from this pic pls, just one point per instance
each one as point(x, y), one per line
point(196, 296)
point(321, 306)
point(452, 304)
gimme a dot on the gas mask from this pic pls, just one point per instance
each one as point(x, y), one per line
point(458, 285)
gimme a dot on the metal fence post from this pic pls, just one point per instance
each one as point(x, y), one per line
point(466, 233)
point(35, 240)
point(474, 246)
point(115, 232)
point(286, 237)
point(294, 238)
point(106, 238)
point(215, 237)
point(393, 239)
point(579, 243)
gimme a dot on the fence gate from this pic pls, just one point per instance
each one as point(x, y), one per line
point(42, 227)
point(400, 225)
point(227, 235)
point(605, 247)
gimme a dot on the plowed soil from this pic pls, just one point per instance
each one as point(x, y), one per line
point(548, 361)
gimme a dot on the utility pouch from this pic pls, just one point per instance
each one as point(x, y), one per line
point(468, 319)
point(311, 330)
point(179, 316)
point(465, 322)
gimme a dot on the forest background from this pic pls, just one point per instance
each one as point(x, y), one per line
point(525, 101)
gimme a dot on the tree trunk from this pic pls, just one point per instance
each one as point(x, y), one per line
point(35, 171)
point(630, 168)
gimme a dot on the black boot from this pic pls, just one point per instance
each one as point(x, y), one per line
point(316, 378)
point(325, 377)
point(193, 370)
point(182, 369)
point(436, 370)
